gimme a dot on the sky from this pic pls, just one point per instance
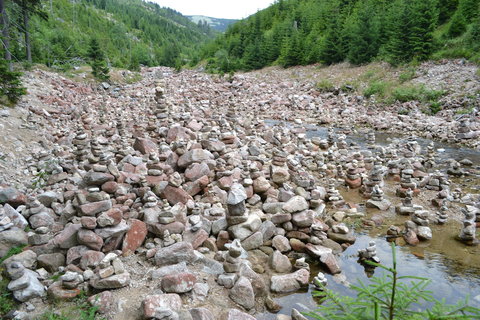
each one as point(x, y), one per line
point(227, 9)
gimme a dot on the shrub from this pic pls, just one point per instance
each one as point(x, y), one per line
point(415, 93)
point(325, 85)
point(407, 75)
point(377, 88)
point(389, 297)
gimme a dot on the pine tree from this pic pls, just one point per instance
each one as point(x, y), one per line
point(364, 36)
point(425, 17)
point(292, 53)
point(10, 84)
point(398, 48)
point(457, 25)
point(97, 61)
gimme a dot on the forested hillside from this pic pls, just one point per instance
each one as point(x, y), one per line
point(130, 32)
point(214, 23)
point(298, 32)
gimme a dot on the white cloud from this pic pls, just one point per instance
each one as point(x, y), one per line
point(229, 9)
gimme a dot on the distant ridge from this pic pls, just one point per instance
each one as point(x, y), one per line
point(214, 23)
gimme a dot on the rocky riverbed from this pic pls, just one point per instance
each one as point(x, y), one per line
point(189, 196)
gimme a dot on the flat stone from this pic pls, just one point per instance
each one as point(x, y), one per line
point(179, 282)
point(51, 261)
point(41, 219)
point(234, 314)
point(115, 231)
point(93, 208)
point(175, 195)
point(57, 291)
point(253, 242)
point(295, 204)
point(176, 253)
point(195, 155)
point(93, 178)
point(153, 302)
point(113, 282)
point(290, 282)
point(145, 146)
point(68, 237)
point(134, 237)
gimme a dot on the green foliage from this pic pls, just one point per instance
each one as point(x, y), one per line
point(81, 310)
point(97, 61)
point(10, 83)
point(130, 32)
point(407, 75)
point(457, 26)
point(416, 93)
point(325, 85)
point(11, 252)
point(389, 297)
point(7, 303)
point(377, 88)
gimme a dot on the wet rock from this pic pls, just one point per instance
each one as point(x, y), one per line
point(290, 282)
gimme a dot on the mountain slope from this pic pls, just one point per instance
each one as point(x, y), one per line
point(131, 32)
point(218, 24)
point(296, 32)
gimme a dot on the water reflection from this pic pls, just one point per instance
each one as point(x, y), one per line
point(452, 267)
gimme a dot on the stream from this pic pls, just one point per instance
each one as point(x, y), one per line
point(452, 267)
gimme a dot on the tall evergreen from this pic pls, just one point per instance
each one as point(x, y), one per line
point(364, 36)
point(425, 16)
point(97, 61)
point(10, 83)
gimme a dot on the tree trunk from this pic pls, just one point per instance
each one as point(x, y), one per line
point(26, 20)
point(5, 34)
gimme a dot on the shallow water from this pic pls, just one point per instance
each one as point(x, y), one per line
point(452, 267)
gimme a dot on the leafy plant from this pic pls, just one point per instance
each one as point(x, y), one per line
point(418, 93)
point(407, 75)
point(377, 88)
point(82, 310)
point(389, 297)
point(40, 179)
point(325, 85)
